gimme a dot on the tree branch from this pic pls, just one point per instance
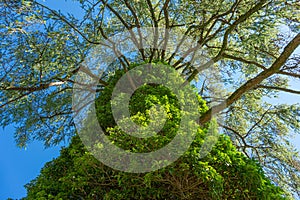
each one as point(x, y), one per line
point(15, 99)
point(241, 19)
point(33, 89)
point(167, 20)
point(138, 25)
point(289, 74)
point(258, 121)
point(250, 84)
point(278, 88)
point(69, 24)
point(155, 30)
point(244, 60)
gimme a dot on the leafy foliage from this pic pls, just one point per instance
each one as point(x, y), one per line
point(224, 173)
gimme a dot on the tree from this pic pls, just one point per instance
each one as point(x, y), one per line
point(224, 173)
point(41, 50)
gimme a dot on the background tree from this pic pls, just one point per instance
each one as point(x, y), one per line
point(41, 50)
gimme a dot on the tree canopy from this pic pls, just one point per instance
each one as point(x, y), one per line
point(42, 49)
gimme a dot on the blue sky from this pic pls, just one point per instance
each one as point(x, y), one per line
point(19, 166)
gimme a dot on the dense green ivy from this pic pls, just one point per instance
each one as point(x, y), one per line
point(224, 173)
